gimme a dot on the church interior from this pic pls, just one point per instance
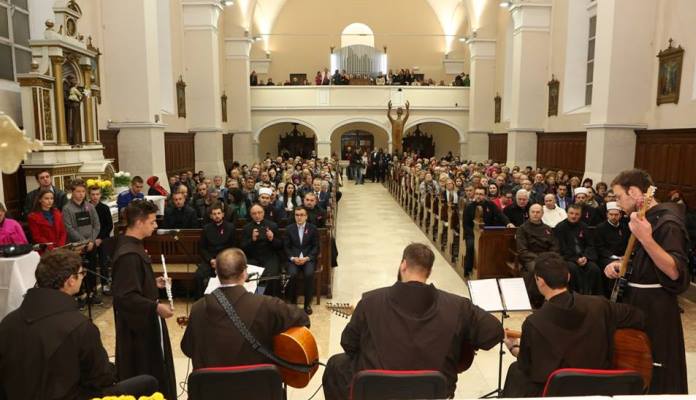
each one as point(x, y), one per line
point(510, 140)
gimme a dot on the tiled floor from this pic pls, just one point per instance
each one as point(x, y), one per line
point(372, 232)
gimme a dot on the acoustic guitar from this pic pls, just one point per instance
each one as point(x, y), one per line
point(466, 356)
point(624, 273)
point(297, 346)
point(632, 351)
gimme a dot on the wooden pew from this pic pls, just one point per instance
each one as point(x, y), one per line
point(492, 252)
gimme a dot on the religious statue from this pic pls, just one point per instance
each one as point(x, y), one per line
point(73, 99)
point(397, 126)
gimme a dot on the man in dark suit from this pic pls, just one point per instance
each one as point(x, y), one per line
point(45, 181)
point(261, 243)
point(211, 338)
point(577, 248)
point(215, 237)
point(302, 251)
point(316, 215)
point(375, 160)
point(180, 215)
point(322, 197)
point(563, 200)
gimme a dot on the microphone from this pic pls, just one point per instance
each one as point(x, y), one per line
point(252, 277)
point(167, 231)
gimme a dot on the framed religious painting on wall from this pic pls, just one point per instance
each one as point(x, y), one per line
point(497, 108)
point(554, 85)
point(669, 74)
point(181, 97)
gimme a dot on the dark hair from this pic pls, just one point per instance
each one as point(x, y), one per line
point(294, 194)
point(136, 179)
point(76, 184)
point(41, 171)
point(56, 267)
point(95, 187)
point(575, 206)
point(215, 206)
point(633, 177)
point(230, 264)
point(298, 208)
point(37, 199)
point(419, 255)
point(552, 268)
point(139, 210)
point(601, 184)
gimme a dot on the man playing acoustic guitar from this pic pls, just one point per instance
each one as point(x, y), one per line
point(658, 274)
point(410, 325)
point(569, 331)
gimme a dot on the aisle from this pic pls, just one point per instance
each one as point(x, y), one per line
point(372, 233)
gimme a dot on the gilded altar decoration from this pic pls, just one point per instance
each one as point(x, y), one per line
point(181, 97)
point(554, 86)
point(669, 74)
point(14, 145)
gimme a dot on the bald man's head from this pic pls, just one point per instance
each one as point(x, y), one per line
point(535, 213)
point(231, 266)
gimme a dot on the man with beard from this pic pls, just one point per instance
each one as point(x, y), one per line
point(271, 211)
point(534, 237)
point(431, 325)
point(316, 216)
point(491, 216)
point(562, 198)
point(578, 250)
point(142, 339)
point(659, 274)
point(179, 215)
point(588, 213)
point(261, 243)
point(611, 239)
point(519, 211)
point(216, 236)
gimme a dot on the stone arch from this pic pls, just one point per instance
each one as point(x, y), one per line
point(276, 121)
point(269, 136)
point(458, 129)
point(444, 135)
point(380, 133)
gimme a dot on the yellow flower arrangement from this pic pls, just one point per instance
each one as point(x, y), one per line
point(156, 396)
point(106, 187)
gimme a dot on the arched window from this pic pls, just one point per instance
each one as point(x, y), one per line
point(357, 33)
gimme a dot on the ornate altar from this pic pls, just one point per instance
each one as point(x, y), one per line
point(296, 143)
point(59, 101)
point(419, 142)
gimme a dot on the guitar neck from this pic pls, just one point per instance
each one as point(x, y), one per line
point(627, 255)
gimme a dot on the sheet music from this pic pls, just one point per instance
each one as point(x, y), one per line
point(214, 282)
point(514, 293)
point(485, 294)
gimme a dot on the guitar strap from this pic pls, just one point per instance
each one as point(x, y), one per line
point(255, 344)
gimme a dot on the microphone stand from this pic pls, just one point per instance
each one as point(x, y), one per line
point(175, 235)
point(90, 290)
point(284, 279)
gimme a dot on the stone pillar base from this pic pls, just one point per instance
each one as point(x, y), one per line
point(478, 146)
point(209, 157)
point(610, 150)
point(141, 149)
point(522, 148)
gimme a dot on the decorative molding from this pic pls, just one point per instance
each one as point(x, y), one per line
point(616, 126)
point(206, 129)
point(237, 48)
point(481, 49)
point(531, 17)
point(135, 125)
point(201, 14)
point(533, 130)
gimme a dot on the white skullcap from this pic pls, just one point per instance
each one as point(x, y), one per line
point(613, 206)
point(265, 190)
point(581, 190)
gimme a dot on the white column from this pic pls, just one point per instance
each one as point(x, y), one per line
point(531, 42)
point(130, 33)
point(239, 95)
point(620, 73)
point(463, 150)
point(481, 94)
point(202, 66)
point(323, 149)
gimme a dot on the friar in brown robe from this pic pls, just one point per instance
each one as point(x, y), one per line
point(569, 331)
point(409, 326)
point(142, 339)
point(658, 275)
point(211, 338)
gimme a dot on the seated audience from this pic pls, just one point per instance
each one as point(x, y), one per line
point(316, 216)
point(370, 340)
point(578, 250)
point(290, 199)
point(11, 231)
point(301, 245)
point(533, 238)
point(199, 199)
point(261, 243)
point(134, 192)
point(611, 239)
point(211, 338)
point(271, 212)
point(49, 350)
point(179, 215)
point(553, 214)
point(155, 188)
point(215, 237)
point(570, 330)
point(323, 196)
point(563, 200)
point(589, 214)
point(45, 181)
point(46, 221)
point(518, 212)
point(237, 204)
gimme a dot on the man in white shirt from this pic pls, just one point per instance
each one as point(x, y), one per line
point(552, 214)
